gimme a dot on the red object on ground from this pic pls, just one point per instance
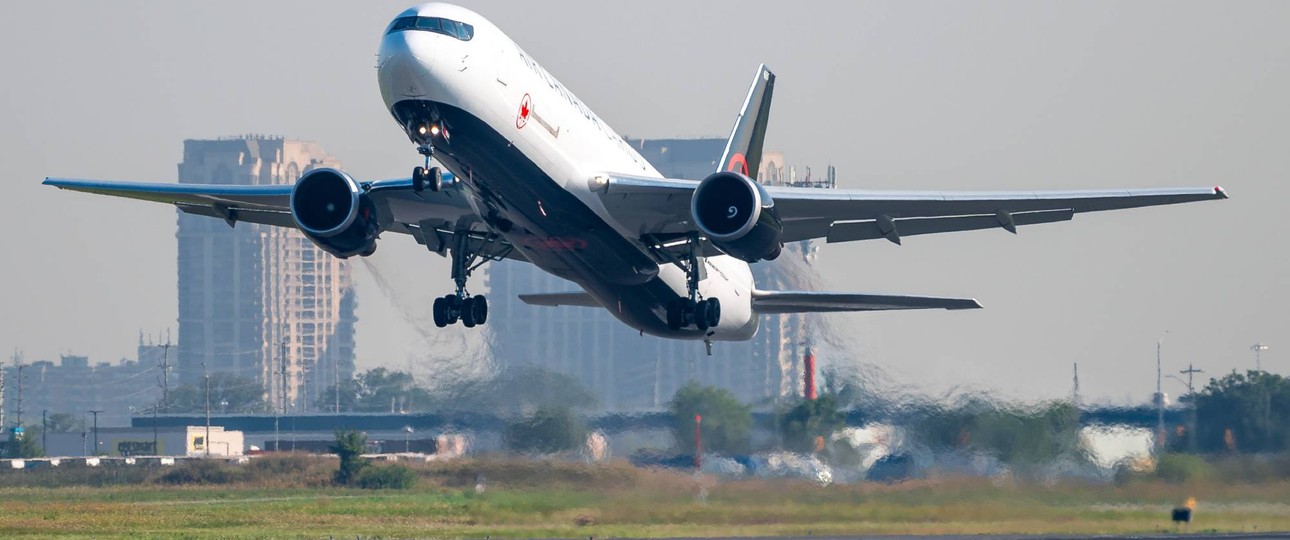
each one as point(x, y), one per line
point(808, 361)
point(698, 442)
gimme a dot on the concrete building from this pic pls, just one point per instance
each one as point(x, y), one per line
point(631, 372)
point(75, 386)
point(260, 301)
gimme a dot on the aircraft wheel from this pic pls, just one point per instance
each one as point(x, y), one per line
point(434, 179)
point(702, 314)
point(440, 311)
point(674, 319)
point(713, 317)
point(688, 308)
point(454, 308)
point(419, 178)
point(481, 309)
point(468, 313)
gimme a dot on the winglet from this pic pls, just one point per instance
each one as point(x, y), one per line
point(743, 149)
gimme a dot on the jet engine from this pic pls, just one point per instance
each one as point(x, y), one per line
point(334, 212)
point(738, 216)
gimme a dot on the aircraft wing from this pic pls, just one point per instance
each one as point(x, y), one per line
point(824, 302)
point(661, 207)
point(432, 218)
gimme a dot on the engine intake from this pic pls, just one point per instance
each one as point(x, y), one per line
point(333, 212)
point(738, 216)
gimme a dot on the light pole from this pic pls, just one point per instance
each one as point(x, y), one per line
point(407, 439)
point(1191, 371)
point(1160, 396)
point(44, 430)
point(206, 376)
point(1258, 348)
point(96, 430)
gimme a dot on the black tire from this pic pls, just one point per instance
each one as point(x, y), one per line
point(687, 312)
point(481, 309)
point(701, 315)
point(419, 179)
point(440, 310)
point(714, 312)
point(454, 308)
point(468, 313)
point(674, 319)
point(435, 179)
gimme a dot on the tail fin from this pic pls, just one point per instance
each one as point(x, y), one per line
point(743, 149)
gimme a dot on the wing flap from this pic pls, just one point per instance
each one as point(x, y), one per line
point(579, 299)
point(893, 230)
point(825, 302)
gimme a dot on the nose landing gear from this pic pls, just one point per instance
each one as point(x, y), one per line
point(426, 177)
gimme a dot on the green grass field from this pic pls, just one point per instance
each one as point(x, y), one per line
point(526, 499)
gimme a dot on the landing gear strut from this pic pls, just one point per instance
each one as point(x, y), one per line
point(701, 313)
point(424, 177)
point(461, 306)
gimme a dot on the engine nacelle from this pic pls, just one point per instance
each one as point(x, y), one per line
point(334, 212)
point(738, 216)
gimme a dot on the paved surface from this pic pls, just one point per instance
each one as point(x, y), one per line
point(1238, 536)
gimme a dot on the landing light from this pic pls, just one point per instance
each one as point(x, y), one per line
point(421, 130)
point(434, 130)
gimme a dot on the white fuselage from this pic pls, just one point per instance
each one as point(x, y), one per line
point(528, 151)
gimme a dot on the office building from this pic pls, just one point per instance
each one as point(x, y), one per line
point(257, 301)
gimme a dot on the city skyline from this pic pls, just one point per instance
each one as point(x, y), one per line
point(1048, 96)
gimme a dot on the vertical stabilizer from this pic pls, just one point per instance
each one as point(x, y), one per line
point(743, 150)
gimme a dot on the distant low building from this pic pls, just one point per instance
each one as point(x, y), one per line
point(75, 386)
point(131, 441)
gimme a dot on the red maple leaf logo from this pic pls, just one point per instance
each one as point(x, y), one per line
point(523, 118)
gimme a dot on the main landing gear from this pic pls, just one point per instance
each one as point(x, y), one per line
point(470, 251)
point(426, 177)
point(470, 310)
point(701, 313)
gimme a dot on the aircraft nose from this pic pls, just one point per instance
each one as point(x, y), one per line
point(404, 66)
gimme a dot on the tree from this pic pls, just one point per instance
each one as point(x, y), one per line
point(549, 430)
point(22, 446)
point(726, 425)
point(377, 390)
point(1016, 435)
point(808, 420)
point(64, 423)
point(350, 446)
point(1254, 406)
point(242, 395)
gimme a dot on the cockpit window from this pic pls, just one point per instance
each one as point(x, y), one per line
point(447, 27)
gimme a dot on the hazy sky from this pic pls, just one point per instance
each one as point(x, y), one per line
point(905, 95)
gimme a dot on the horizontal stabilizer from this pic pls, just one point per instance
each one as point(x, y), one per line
point(580, 299)
point(823, 302)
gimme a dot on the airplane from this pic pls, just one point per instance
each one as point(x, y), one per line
point(534, 175)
